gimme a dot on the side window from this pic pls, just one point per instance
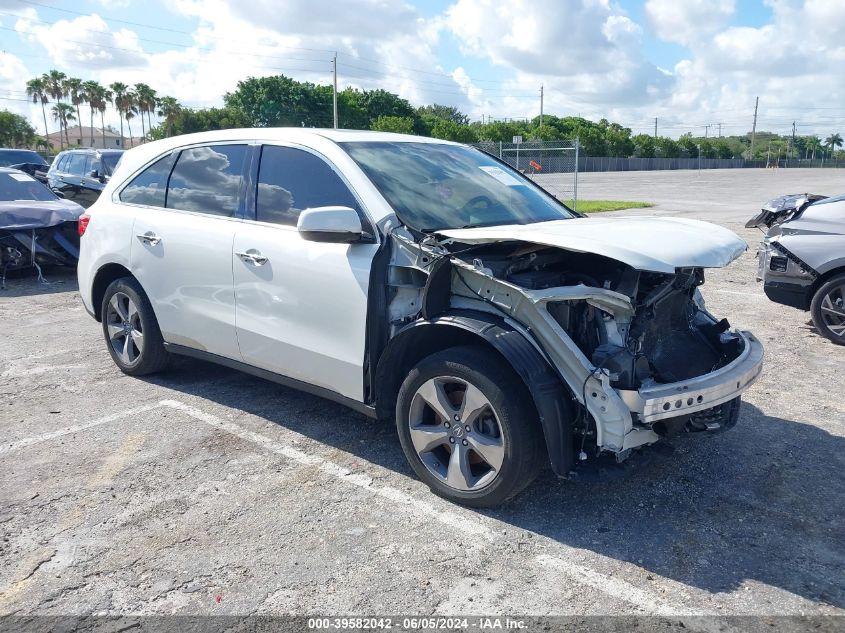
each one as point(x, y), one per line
point(207, 179)
point(290, 180)
point(149, 187)
point(61, 162)
point(76, 164)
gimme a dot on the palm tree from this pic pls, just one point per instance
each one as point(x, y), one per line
point(73, 89)
point(37, 89)
point(102, 103)
point(63, 112)
point(54, 83)
point(833, 141)
point(146, 102)
point(92, 92)
point(120, 90)
point(129, 114)
point(168, 107)
point(813, 143)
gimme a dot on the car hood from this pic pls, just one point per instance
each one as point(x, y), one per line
point(18, 215)
point(645, 243)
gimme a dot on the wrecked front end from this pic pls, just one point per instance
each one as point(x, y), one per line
point(638, 351)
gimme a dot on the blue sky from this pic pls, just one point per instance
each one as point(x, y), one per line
point(689, 63)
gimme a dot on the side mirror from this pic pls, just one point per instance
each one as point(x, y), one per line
point(330, 224)
point(96, 175)
point(58, 194)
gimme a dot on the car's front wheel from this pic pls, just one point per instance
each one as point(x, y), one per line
point(132, 334)
point(828, 309)
point(468, 427)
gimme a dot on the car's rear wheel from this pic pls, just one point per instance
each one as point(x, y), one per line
point(468, 427)
point(828, 309)
point(132, 335)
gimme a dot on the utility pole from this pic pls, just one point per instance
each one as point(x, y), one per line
point(720, 129)
point(655, 127)
point(541, 105)
point(334, 90)
point(706, 129)
point(792, 149)
point(754, 129)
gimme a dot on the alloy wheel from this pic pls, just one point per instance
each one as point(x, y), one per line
point(456, 433)
point(125, 332)
point(833, 310)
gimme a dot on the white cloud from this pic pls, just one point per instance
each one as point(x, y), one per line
point(86, 41)
point(686, 21)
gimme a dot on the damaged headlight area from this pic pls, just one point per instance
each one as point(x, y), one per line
point(639, 352)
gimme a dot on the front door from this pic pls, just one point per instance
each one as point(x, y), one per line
point(301, 306)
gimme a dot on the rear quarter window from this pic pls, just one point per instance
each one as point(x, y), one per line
point(150, 186)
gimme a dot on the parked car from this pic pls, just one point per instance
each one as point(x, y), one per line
point(802, 257)
point(81, 174)
point(25, 160)
point(422, 281)
point(36, 226)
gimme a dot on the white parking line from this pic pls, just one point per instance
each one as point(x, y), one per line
point(51, 435)
point(469, 524)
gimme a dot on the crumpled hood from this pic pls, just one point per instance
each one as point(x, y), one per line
point(18, 215)
point(646, 243)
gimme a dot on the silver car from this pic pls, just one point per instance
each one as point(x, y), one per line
point(802, 257)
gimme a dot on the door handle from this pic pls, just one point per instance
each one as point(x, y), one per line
point(149, 237)
point(253, 256)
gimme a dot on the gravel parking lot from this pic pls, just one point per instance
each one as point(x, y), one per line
point(206, 491)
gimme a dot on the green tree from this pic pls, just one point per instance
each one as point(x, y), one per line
point(281, 101)
point(15, 130)
point(451, 131)
point(666, 147)
point(399, 124)
point(185, 121)
point(448, 113)
point(832, 142)
point(169, 108)
point(121, 100)
point(146, 102)
point(93, 92)
point(499, 131)
point(72, 87)
point(544, 133)
point(62, 113)
point(643, 145)
point(54, 82)
point(37, 89)
point(813, 143)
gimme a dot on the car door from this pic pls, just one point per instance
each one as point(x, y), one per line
point(67, 178)
point(301, 306)
point(182, 243)
point(90, 186)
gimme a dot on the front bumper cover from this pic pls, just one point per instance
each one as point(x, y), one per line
point(663, 401)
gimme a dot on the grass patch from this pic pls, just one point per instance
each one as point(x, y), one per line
point(600, 206)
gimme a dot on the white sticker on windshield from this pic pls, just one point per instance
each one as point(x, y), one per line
point(501, 175)
point(22, 177)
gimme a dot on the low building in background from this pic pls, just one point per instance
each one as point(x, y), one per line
point(81, 136)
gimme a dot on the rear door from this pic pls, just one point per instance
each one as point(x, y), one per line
point(301, 306)
point(182, 243)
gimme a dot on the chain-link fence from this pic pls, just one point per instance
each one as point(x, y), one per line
point(558, 160)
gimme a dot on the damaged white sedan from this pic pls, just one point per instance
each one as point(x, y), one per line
point(422, 281)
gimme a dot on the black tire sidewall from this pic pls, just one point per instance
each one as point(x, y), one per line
point(816, 305)
point(514, 410)
point(150, 357)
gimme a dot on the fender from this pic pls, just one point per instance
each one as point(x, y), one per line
point(550, 395)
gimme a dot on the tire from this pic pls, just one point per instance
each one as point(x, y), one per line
point(828, 309)
point(502, 451)
point(132, 335)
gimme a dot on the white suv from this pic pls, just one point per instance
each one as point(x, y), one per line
point(420, 280)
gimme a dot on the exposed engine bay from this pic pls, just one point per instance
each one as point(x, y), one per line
point(627, 342)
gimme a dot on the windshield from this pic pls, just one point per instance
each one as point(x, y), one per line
point(19, 156)
point(110, 161)
point(22, 187)
point(434, 186)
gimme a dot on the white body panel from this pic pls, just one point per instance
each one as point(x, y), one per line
point(188, 277)
point(654, 244)
point(303, 313)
